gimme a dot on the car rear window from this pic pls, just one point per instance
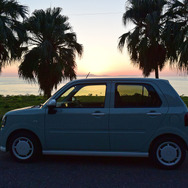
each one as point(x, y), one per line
point(136, 96)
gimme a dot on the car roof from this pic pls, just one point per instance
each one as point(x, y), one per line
point(119, 79)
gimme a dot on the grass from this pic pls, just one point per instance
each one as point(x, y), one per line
point(185, 100)
point(8, 103)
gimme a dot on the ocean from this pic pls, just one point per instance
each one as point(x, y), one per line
point(17, 86)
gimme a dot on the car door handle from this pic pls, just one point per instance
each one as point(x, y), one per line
point(153, 114)
point(98, 114)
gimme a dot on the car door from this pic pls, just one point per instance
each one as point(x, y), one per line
point(80, 121)
point(137, 110)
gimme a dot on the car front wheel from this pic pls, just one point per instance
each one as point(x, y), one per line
point(24, 147)
point(168, 153)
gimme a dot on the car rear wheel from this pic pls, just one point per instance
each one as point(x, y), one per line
point(24, 147)
point(168, 153)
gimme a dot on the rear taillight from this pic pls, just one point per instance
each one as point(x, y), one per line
point(186, 119)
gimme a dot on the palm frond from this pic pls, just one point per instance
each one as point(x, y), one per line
point(55, 46)
point(12, 32)
point(122, 40)
point(144, 43)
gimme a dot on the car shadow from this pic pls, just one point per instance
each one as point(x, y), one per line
point(99, 160)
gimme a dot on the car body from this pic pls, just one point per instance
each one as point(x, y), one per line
point(109, 116)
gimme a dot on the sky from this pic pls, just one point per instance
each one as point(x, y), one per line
point(98, 25)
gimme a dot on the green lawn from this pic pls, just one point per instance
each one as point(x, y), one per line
point(8, 103)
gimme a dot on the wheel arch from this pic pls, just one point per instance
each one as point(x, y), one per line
point(23, 131)
point(171, 136)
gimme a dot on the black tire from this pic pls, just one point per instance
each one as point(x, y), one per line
point(167, 153)
point(24, 147)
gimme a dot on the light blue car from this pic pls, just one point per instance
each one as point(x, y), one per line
point(102, 117)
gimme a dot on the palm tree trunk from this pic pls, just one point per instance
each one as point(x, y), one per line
point(47, 93)
point(157, 72)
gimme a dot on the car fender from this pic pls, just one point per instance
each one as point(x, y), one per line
point(36, 127)
point(164, 131)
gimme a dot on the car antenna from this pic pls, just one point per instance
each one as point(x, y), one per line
point(87, 75)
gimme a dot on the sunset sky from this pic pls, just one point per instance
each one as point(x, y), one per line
point(98, 25)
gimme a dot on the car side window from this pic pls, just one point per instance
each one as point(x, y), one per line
point(136, 96)
point(83, 96)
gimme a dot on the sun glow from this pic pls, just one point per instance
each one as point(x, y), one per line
point(10, 70)
point(109, 62)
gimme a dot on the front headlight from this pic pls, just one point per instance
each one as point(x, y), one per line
point(3, 121)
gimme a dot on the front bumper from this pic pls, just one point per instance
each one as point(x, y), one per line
point(2, 149)
point(2, 142)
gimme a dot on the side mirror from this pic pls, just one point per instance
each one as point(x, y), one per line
point(51, 106)
point(52, 103)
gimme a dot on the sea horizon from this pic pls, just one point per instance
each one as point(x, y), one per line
point(13, 85)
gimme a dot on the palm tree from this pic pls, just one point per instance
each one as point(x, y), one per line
point(176, 33)
point(144, 41)
point(12, 32)
point(51, 56)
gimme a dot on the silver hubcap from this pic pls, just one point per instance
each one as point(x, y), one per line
point(169, 153)
point(22, 148)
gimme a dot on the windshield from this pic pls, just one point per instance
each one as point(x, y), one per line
point(41, 105)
